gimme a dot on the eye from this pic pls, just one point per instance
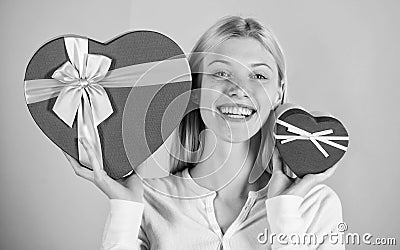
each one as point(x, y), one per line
point(221, 74)
point(259, 77)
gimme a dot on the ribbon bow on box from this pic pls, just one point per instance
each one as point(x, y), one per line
point(83, 94)
point(313, 137)
point(308, 144)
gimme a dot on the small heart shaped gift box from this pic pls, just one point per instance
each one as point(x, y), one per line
point(112, 94)
point(309, 143)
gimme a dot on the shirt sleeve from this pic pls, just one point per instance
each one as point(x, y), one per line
point(123, 229)
point(305, 223)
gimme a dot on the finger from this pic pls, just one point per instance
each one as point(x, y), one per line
point(277, 164)
point(78, 169)
point(91, 154)
point(99, 175)
point(289, 173)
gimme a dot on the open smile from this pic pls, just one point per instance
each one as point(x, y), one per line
point(236, 112)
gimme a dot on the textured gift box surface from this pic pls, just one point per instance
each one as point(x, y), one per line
point(307, 143)
point(132, 49)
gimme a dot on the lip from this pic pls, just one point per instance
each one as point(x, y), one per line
point(236, 105)
point(226, 117)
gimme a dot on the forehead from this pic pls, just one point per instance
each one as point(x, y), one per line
point(244, 50)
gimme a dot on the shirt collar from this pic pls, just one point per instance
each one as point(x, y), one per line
point(200, 190)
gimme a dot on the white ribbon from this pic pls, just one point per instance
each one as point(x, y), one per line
point(83, 96)
point(313, 137)
point(139, 75)
point(81, 79)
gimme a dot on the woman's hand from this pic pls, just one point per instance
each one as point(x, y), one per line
point(130, 188)
point(281, 184)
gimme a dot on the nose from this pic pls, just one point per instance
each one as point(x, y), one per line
point(236, 90)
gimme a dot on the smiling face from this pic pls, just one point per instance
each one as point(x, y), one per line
point(240, 86)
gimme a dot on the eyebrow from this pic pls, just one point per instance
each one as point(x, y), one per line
point(220, 60)
point(261, 64)
point(229, 63)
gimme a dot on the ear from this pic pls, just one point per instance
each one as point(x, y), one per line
point(279, 95)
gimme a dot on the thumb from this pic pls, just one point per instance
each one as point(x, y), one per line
point(277, 164)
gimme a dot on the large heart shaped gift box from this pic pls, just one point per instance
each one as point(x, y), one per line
point(309, 143)
point(76, 87)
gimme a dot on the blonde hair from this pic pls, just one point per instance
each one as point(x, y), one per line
point(187, 146)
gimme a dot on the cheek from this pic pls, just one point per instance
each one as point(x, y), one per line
point(207, 98)
point(266, 98)
point(264, 94)
point(209, 93)
point(271, 92)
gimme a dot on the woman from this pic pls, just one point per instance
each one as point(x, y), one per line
point(239, 78)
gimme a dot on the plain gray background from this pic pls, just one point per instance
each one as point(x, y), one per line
point(343, 58)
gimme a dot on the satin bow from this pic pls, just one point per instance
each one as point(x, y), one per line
point(83, 96)
point(313, 137)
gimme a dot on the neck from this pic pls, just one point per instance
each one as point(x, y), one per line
point(225, 167)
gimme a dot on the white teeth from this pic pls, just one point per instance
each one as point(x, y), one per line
point(236, 116)
point(237, 112)
point(245, 111)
